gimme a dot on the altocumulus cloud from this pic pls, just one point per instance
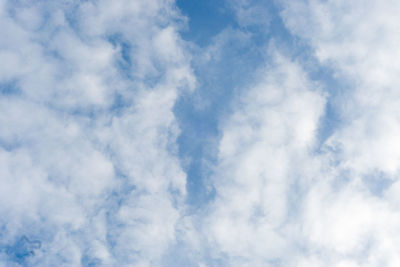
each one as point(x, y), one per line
point(88, 165)
point(92, 169)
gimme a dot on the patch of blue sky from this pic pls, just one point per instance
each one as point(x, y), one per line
point(377, 183)
point(90, 262)
point(199, 113)
point(22, 249)
point(124, 62)
point(9, 88)
point(206, 19)
point(211, 23)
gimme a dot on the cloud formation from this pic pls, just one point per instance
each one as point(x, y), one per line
point(351, 220)
point(103, 104)
point(266, 146)
point(88, 157)
point(284, 197)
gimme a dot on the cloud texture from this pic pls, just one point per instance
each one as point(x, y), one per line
point(88, 159)
point(273, 143)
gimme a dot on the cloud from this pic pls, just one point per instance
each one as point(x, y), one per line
point(347, 222)
point(266, 143)
point(88, 157)
point(362, 55)
point(90, 167)
point(282, 197)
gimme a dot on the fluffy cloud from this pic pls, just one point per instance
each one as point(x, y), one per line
point(89, 166)
point(266, 145)
point(348, 221)
point(284, 199)
point(89, 173)
point(359, 41)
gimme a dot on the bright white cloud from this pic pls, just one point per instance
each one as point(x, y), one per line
point(89, 167)
point(346, 223)
point(88, 157)
point(360, 41)
point(278, 201)
point(266, 144)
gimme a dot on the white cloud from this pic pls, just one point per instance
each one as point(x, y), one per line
point(88, 156)
point(344, 221)
point(280, 202)
point(360, 41)
point(264, 145)
point(94, 179)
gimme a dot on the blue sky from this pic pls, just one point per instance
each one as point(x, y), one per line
point(199, 133)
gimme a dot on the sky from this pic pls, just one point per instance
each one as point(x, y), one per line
point(199, 133)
